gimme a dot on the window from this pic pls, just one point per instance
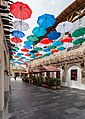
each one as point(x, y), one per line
point(74, 74)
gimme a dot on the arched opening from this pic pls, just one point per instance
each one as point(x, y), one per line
point(73, 78)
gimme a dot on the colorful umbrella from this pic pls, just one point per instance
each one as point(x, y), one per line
point(21, 25)
point(45, 41)
point(67, 39)
point(46, 49)
point(51, 47)
point(57, 43)
point(79, 32)
point(16, 40)
point(39, 31)
point(78, 41)
point(24, 50)
point(33, 56)
point(20, 10)
point(16, 48)
point(53, 35)
point(64, 27)
point(18, 34)
point(32, 38)
point(46, 20)
point(27, 54)
point(27, 46)
point(19, 54)
point(54, 51)
point(38, 54)
point(29, 42)
point(38, 48)
point(16, 56)
point(33, 51)
point(61, 48)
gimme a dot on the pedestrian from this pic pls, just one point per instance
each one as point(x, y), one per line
point(15, 76)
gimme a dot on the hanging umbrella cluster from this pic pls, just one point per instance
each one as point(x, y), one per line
point(79, 35)
point(21, 11)
point(51, 43)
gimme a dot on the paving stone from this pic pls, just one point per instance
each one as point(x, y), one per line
point(71, 110)
point(79, 103)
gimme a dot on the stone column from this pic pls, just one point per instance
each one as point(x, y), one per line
point(1, 72)
point(6, 89)
point(1, 83)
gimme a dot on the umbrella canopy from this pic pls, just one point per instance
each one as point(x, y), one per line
point(16, 40)
point(54, 35)
point(16, 48)
point(38, 54)
point(78, 41)
point(29, 42)
point(79, 32)
point(46, 49)
point(33, 56)
point(64, 27)
point(61, 48)
point(21, 25)
point(27, 54)
point(24, 50)
point(51, 47)
point(46, 20)
point(20, 10)
point(39, 31)
point(33, 51)
point(13, 52)
point(18, 34)
point(38, 48)
point(54, 51)
point(19, 54)
point(27, 46)
point(67, 39)
point(57, 43)
point(32, 38)
point(45, 41)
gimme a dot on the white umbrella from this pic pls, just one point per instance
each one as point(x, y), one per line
point(64, 27)
point(20, 25)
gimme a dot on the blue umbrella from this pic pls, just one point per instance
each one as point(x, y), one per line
point(46, 49)
point(33, 56)
point(18, 34)
point(29, 42)
point(13, 50)
point(57, 43)
point(53, 35)
point(50, 53)
point(46, 20)
point(19, 54)
point(33, 51)
point(61, 48)
point(27, 46)
point(39, 31)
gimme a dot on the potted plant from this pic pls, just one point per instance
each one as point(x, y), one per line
point(53, 83)
point(58, 83)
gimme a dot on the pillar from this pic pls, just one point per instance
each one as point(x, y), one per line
point(1, 83)
point(1, 72)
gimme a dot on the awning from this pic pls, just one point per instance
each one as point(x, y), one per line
point(36, 71)
point(50, 68)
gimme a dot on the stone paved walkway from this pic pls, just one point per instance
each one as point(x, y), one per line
point(31, 102)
